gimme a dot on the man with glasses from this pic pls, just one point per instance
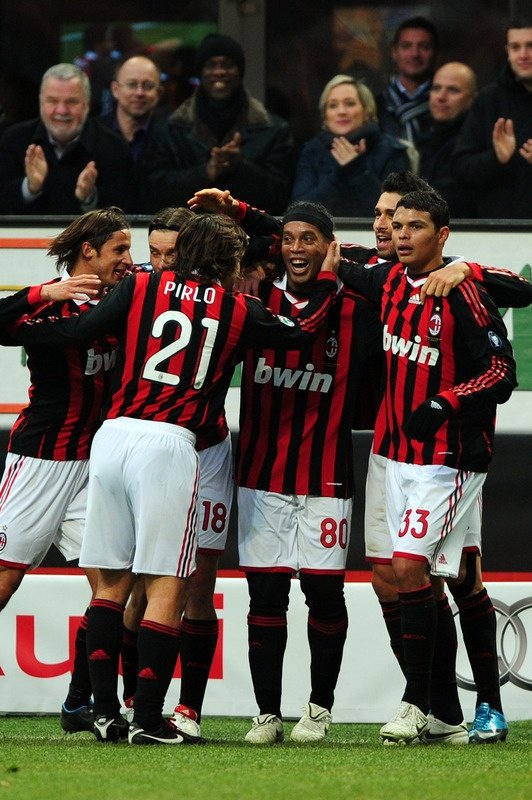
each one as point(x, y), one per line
point(136, 89)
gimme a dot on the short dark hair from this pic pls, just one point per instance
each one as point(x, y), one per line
point(418, 22)
point(170, 219)
point(432, 202)
point(519, 23)
point(404, 182)
point(95, 226)
point(209, 248)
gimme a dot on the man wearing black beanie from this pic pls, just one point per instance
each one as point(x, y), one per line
point(221, 136)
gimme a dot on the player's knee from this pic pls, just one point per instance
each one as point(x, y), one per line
point(324, 595)
point(384, 583)
point(410, 573)
point(466, 583)
point(268, 592)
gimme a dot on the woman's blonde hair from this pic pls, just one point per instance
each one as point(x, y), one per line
point(365, 95)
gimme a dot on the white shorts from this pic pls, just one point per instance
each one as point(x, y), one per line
point(379, 544)
point(216, 491)
point(41, 503)
point(377, 537)
point(281, 532)
point(430, 510)
point(142, 500)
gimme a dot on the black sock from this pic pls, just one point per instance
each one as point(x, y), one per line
point(444, 701)
point(80, 688)
point(267, 636)
point(326, 640)
point(418, 626)
point(104, 636)
point(391, 612)
point(198, 644)
point(130, 662)
point(158, 647)
point(479, 629)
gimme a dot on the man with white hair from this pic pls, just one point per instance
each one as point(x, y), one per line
point(63, 162)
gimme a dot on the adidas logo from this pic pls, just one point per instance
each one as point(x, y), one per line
point(99, 655)
point(148, 674)
point(435, 404)
point(415, 299)
point(442, 559)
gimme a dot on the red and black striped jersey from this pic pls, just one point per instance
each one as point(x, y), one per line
point(456, 345)
point(66, 393)
point(14, 306)
point(506, 288)
point(296, 408)
point(180, 341)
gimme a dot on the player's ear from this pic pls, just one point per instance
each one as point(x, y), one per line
point(87, 250)
point(443, 234)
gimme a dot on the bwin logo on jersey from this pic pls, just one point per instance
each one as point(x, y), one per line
point(97, 361)
point(407, 349)
point(305, 379)
point(495, 340)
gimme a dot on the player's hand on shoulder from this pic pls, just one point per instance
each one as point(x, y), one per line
point(440, 281)
point(78, 287)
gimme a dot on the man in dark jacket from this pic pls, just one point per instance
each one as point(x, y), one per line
point(64, 163)
point(453, 90)
point(220, 137)
point(136, 89)
point(494, 150)
point(402, 108)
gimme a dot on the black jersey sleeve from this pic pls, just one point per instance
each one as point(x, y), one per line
point(486, 344)
point(108, 316)
point(507, 288)
point(13, 307)
point(259, 223)
point(367, 280)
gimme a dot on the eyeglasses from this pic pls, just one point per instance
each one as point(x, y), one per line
point(146, 86)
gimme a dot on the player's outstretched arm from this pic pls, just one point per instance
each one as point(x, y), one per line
point(217, 201)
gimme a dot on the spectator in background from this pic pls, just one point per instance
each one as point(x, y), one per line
point(19, 99)
point(98, 62)
point(178, 64)
point(453, 90)
point(136, 89)
point(493, 153)
point(344, 165)
point(220, 136)
point(64, 162)
point(403, 106)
